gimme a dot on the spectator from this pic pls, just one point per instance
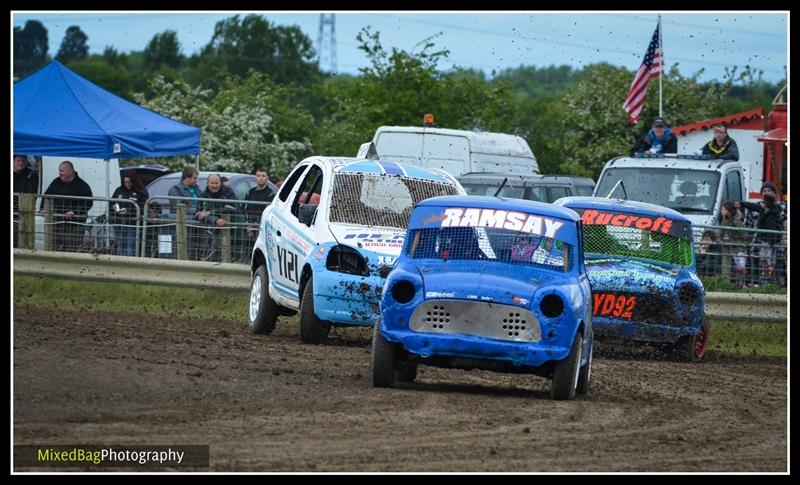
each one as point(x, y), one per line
point(721, 145)
point(226, 182)
point(769, 218)
point(125, 214)
point(767, 188)
point(733, 243)
point(708, 255)
point(262, 192)
point(69, 214)
point(25, 179)
point(751, 219)
point(659, 139)
point(222, 213)
point(187, 188)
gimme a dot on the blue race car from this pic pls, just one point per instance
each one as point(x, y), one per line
point(641, 265)
point(487, 283)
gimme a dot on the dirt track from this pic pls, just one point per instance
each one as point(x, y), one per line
point(270, 403)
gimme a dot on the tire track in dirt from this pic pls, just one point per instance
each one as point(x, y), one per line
point(270, 403)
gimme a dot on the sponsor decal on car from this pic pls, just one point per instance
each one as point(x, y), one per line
point(592, 217)
point(501, 219)
point(614, 273)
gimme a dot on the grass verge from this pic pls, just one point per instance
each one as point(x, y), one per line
point(739, 338)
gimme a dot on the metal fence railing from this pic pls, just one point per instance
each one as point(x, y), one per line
point(744, 256)
point(218, 230)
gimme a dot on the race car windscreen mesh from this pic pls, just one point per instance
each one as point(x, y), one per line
point(489, 244)
point(379, 199)
point(637, 243)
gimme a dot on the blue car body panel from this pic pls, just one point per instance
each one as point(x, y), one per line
point(487, 284)
point(638, 298)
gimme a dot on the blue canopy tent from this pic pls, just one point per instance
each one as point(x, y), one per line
point(59, 113)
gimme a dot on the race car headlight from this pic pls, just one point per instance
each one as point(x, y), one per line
point(403, 291)
point(344, 259)
point(689, 294)
point(552, 305)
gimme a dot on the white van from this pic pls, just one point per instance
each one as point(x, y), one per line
point(455, 151)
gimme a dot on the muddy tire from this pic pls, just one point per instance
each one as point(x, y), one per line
point(407, 373)
point(585, 375)
point(384, 356)
point(566, 372)
point(311, 331)
point(263, 312)
point(692, 348)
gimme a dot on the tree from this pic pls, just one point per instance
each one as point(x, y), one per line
point(285, 54)
point(73, 47)
point(594, 128)
point(115, 78)
point(30, 48)
point(399, 87)
point(163, 48)
point(238, 128)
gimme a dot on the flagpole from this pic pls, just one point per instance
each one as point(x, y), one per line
point(661, 74)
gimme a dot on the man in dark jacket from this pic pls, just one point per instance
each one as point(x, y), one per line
point(769, 218)
point(261, 194)
point(659, 139)
point(721, 146)
point(25, 179)
point(220, 214)
point(69, 214)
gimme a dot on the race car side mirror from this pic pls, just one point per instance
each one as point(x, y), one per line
point(307, 213)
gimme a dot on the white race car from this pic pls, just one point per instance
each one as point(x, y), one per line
point(330, 237)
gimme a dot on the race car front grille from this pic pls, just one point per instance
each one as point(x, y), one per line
point(478, 318)
point(655, 309)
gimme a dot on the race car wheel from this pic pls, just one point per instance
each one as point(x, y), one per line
point(585, 375)
point(407, 373)
point(311, 330)
point(263, 311)
point(692, 348)
point(566, 373)
point(384, 356)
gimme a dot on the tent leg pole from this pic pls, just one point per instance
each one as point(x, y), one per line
point(197, 162)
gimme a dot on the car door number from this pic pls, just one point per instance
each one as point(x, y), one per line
point(609, 304)
point(287, 264)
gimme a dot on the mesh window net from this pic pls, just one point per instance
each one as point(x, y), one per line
point(380, 200)
point(489, 244)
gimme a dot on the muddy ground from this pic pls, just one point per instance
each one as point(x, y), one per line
point(270, 403)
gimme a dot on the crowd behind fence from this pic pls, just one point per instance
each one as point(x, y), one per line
point(122, 228)
point(165, 227)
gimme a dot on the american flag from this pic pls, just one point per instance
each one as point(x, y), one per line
point(652, 66)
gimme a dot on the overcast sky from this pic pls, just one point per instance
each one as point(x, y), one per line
point(481, 40)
